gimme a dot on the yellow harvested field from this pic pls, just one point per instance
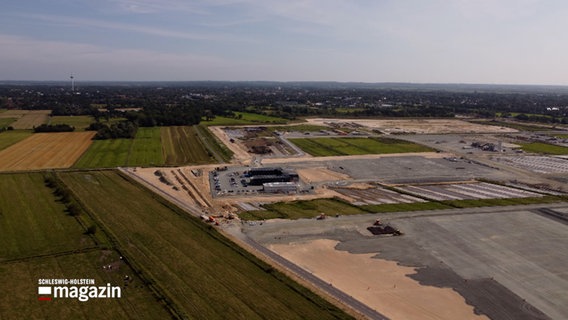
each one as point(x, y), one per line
point(27, 119)
point(45, 151)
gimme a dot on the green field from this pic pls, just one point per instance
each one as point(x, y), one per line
point(154, 146)
point(202, 274)
point(39, 240)
point(181, 145)
point(321, 147)
point(544, 148)
point(20, 280)
point(245, 119)
point(32, 222)
point(105, 154)
point(146, 148)
point(8, 138)
point(80, 123)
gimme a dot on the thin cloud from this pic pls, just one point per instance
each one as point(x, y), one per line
point(153, 31)
point(96, 62)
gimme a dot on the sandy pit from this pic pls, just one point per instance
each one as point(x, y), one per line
point(311, 175)
point(427, 126)
point(380, 284)
point(240, 152)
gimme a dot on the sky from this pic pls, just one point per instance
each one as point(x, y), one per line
point(419, 41)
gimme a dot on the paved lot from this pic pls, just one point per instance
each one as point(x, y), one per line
point(509, 262)
point(480, 190)
point(410, 169)
point(539, 164)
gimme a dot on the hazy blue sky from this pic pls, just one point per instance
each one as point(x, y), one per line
point(465, 41)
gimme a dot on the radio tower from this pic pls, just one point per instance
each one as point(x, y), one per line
point(72, 83)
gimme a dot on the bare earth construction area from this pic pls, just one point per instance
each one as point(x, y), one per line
point(492, 262)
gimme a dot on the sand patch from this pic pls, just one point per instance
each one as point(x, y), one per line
point(428, 126)
point(320, 174)
point(380, 284)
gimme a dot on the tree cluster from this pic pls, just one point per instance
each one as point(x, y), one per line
point(122, 129)
point(54, 128)
point(184, 103)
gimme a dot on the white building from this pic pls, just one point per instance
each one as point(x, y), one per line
point(280, 187)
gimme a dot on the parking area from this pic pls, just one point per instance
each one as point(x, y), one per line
point(480, 190)
point(538, 164)
point(408, 169)
point(251, 181)
point(376, 195)
point(508, 262)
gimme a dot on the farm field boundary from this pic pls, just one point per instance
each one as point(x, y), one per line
point(40, 239)
point(154, 146)
point(322, 147)
point(45, 151)
point(182, 145)
point(27, 119)
point(192, 263)
point(8, 138)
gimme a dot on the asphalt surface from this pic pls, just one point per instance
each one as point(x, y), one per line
point(507, 262)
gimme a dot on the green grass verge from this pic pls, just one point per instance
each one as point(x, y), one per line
point(303, 209)
point(79, 122)
point(401, 207)
point(215, 147)
point(246, 118)
point(331, 207)
point(299, 128)
point(473, 203)
point(321, 147)
point(544, 148)
point(515, 125)
point(8, 138)
point(203, 274)
point(32, 221)
point(182, 145)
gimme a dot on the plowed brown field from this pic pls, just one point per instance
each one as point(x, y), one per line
point(45, 151)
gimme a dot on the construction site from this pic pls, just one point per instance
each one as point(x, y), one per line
point(447, 263)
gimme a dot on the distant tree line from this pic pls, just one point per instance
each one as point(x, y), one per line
point(123, 129)
point(164, 104)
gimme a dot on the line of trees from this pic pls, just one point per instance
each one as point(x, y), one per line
point(54, 128)
point(62, 191)
point(122, 129)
